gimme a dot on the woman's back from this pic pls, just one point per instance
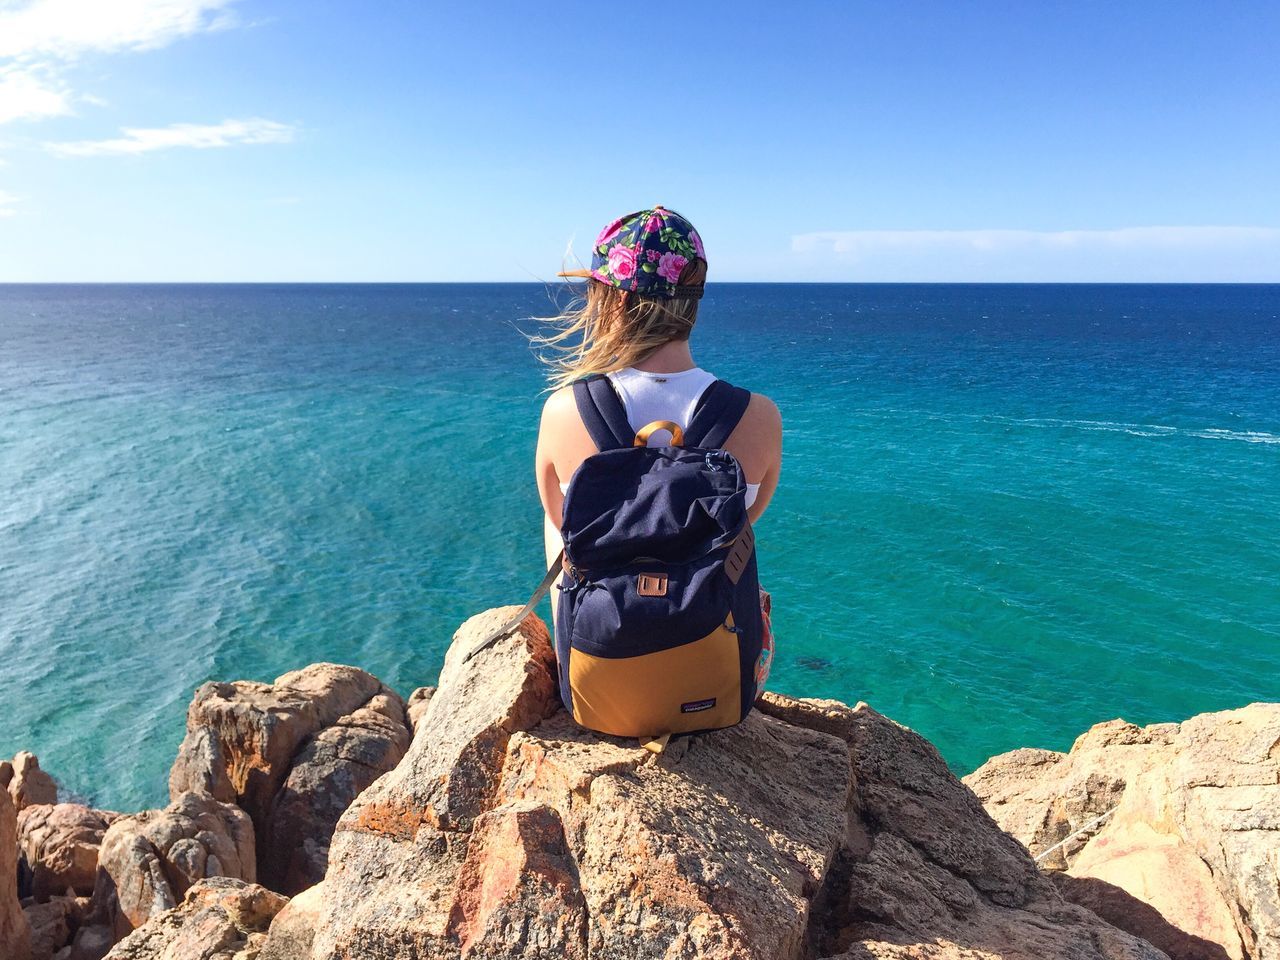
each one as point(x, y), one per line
point(649, 396)
point(668, 383)
point(655, 396)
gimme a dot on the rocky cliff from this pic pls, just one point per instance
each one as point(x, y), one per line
point(811, 830)
point(1180, 827)
point(475, 820)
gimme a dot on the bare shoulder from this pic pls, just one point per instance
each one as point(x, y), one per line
point(757, 439)
point(763, 414)
point(560, 409)
point(562, 436)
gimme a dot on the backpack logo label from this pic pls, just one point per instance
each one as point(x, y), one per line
point(651, 585)
point(694, 706)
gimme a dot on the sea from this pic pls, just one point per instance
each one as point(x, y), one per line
point(1006, 512)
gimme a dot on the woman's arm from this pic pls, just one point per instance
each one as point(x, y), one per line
point(548, 479)
point(757, 443)
point(563, 443)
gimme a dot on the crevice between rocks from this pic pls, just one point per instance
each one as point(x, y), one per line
point(829, 909)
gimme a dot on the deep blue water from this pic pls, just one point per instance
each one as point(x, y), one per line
point(1007, 512)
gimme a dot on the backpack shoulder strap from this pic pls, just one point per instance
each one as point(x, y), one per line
point(552, 572)
point(602, 412)
point(719, 409)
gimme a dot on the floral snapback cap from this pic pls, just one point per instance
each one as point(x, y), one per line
point(644, 252)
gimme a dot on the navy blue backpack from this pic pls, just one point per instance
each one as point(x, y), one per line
point(658, 625)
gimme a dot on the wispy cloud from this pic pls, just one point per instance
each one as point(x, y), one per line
point(65, 29)
point(1130, 253)
point(41, 39)
point(134, 140)
point(861, 242)
point(7, 201)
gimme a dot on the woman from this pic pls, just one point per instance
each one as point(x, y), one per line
point(647, 275)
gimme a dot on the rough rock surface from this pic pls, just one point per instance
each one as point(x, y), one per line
point(327, 774)
point(811, 830)
point(1195, 833)
point(91, 942)
point(292, 754)
point(60, 842)
point(15, 933)
point(28, 784)
point(416, 705)
point(218, 919)
point(152, 858)
point(50, 930)
point(54, 923)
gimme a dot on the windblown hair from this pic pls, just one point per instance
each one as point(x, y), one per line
point(609, 329)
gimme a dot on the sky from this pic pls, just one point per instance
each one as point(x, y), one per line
point(283, 140)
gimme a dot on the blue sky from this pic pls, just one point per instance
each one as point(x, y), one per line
point(263, 140)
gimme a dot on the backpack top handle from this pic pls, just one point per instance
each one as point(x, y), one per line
point(649, 429)
point(719, 409)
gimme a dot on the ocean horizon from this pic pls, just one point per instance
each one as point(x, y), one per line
point(1007, 511)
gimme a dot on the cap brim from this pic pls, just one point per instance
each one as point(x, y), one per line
point(574, 273)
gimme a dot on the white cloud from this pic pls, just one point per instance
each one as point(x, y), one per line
point(134, 140)
point(40, 39)
point(7, 200)
point(31, 94)
point(1132, 253)
point(65, 29)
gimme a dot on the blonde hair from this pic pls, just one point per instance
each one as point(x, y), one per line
point(608, 329)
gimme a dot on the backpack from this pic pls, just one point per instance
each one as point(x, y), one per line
point(658, 625)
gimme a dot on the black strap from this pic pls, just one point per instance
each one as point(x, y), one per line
point(552, 572)
point(719, 409)
point(602, 412)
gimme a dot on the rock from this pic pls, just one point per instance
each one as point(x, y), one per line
point(328, 773)
point(91, 942)
point(53, 923)
point(292, 755)
point(6, 775)
point(153, 857)
point(293, 928)
point(50, 930)
point(403, 841)
point(105, 906)
point(416, 705)
point(1195, 832)
point(1127, 912)
point(923, 872)
point(29, 784)
point(15, 932)
point(218, 919)
point(810, 830)
point(60, 844)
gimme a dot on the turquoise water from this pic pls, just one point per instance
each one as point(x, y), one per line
point(1006, 513)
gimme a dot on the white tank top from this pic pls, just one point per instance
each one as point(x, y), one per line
point(662, 396)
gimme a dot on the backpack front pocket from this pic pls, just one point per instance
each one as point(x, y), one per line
point(680, 689)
